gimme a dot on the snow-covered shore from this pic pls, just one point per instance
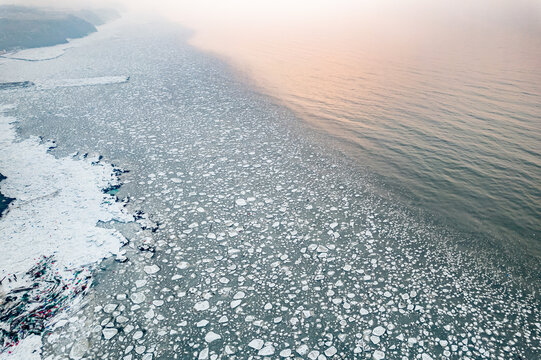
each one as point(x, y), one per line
point(50, 227)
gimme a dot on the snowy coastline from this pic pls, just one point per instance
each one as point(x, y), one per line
point(50, 227)
point(264, 243)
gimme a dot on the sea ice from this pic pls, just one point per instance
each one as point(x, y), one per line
point(266, 351)
point(108, 333)
point(240, 202)
point(152, 269)
point(202, 305)
point(256, 344)
point(212, 336)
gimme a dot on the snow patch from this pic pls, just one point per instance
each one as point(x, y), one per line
point(52, 223)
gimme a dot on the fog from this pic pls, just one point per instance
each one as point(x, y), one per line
point(493, 13)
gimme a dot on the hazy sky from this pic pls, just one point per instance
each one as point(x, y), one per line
point(481, 11)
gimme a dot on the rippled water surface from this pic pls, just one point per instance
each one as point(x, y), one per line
point(255, 241)
point(443, 103)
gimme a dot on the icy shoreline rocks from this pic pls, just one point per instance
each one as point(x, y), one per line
point(58, 203)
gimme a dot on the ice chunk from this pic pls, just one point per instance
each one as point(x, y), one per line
point(285, 353)
point(302, 350)
point(330, 351)
point(212, 336)
point(108, 333)
point(378, 330)
point(137, 297)
point(152, 269)
point(266, 351)
point(91, 81)
point(240, 202)
point(256, 344)
point(202, 305)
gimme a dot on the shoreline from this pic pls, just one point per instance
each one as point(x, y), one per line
point(497, 249)
point(51, 236)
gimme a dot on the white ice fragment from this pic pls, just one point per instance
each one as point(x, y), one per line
point(378, 355)
point(152, 269)
point(137, 297)
point(149, 314)
point(240, 202)
point(204, 354)
point(108, 333)
point(266, 351)
point(212, 336)
point(425, 356)
point(285, 353)
point(79, 349)
point(122, 319)
point(235, 303)
point(202, 323)
point(330, 351)
point(378, 330)
point(100, 80)
point(256, 344)
point(202, 305)
point(302, 350)
point(363, 311)
point(109, 308)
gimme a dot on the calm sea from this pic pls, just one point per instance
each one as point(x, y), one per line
point(442, 103)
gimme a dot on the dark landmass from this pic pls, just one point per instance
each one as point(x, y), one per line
point(4, 201)
point(23, 27)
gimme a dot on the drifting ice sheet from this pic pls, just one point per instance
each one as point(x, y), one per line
point(101, 80)
point(39, 54)
point(58, 203)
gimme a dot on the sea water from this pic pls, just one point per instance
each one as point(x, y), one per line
point(261, 240)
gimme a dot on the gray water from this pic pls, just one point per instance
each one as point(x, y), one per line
point(268, 241)
point(446, 112)
point(464, 144)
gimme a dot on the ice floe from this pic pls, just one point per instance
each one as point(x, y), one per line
point(90, 81)
point(38, 54)
point(51, 226)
